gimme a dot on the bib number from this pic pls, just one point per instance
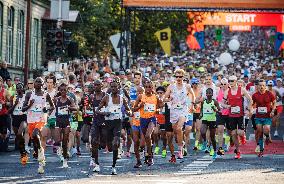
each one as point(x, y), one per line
point(149, 107)
point(235, 110)
point(1, 107)
point(115, 112)
point(89, 112)
point(62, 111)
point(178, 106)
point(262, 110)
point(136, 115)
point(208, 110)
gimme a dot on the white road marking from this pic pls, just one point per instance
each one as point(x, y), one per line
point(196, 167)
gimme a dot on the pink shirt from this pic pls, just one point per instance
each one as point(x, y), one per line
point(220, 97)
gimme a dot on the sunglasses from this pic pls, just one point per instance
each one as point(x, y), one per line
point(223, 84)
point(179, 77)
point(160, 93)
point(231, 81)
point(194, 83)
point(30, 83)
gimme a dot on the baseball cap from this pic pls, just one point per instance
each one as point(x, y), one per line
point(270, 83)
point(233, 77)
point(279, 79)
point(78, 90)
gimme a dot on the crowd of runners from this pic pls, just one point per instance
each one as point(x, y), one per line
point(152, 108)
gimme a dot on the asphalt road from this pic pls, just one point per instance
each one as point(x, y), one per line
point(198, 168)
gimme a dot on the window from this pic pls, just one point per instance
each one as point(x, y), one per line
point(10, 35)
point(34, 43)
point(20, 39)
point(1, 27)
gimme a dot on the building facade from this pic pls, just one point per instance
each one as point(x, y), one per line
point(13, 19)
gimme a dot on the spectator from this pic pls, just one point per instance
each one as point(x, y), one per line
point(3, 71)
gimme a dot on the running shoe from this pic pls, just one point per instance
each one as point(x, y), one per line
point(204, 146)
point(196, 144)
point(211, 153)
point(138, 165)
point(173, 159)
point(113, 171)
point(27, 149)
point(164, 153)
point(226, 147)
point(268, 140)
point(180, 155)
point(276, 133)
point(214, 155)
point(78, 151)
point(157, 150)
point(238, 155)
point(207, 149)
point(260, 154)
point(49, 142)
point(257, 149)
point(35, 155)
point(146, 159)
point(199, 147)
point(65, 163)
point(97, 168)
point(54, 149)
point(127, 154)
point(24, 159)
point(73, 151)
point(92, 163)
point(150, 161)
point(184, 151)
point(40, 169)
point(220, 151)
point(243, 139)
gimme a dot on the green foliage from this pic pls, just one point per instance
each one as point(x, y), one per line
point(101, 19)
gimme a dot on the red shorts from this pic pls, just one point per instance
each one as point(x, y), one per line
point(32, 126)
point(279, 109)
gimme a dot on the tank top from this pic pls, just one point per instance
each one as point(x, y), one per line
point(61, 111)
point(114, 109)
point(179, 98)
point(18, 109)
point(96, 103)
point(208, 112)
point(150, 106)
point(220, 97)
point(52, 95)
point(236, 103)
point(3, 108)
point(35, 113)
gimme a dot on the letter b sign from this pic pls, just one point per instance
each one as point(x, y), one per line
point(164, 36)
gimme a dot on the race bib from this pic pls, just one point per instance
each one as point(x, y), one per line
point(252, 89)
point(208, 110)
point(190, 116)
point(262, 110)
point(74, 125)
point(178, 106)
point(235, 110)
point(0, 107)
point(89, 112)
point(163, 111)
point(136, 115)
point(37, 108)
point(62, 111)
point(149, 107)
point(18, 110)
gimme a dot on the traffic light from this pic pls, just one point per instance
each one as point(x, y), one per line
point(58, 43)
point(50, 37)
point(67, 38)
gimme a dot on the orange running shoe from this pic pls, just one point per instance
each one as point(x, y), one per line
point(243, 139)
point(238, 155)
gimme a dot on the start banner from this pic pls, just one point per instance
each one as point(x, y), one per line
point(245, 4)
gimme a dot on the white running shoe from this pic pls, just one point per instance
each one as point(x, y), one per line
point(27, 149)
point(65, 163)
point(113, 171)
point(40, 169)
point(276, 133)
point(257, 149)
point(97, 168)
point(92, 163)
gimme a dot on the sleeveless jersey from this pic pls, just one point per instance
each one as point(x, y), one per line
point(208, 111)
point(35, 113)
point(114, 109)
point(18, 109)
point(236, 103)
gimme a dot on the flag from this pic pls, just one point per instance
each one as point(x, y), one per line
point(164, 37)
point(218, 33)
point(200, 38)
point(279, 40)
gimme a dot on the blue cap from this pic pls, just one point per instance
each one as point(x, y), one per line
point(194, 81)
